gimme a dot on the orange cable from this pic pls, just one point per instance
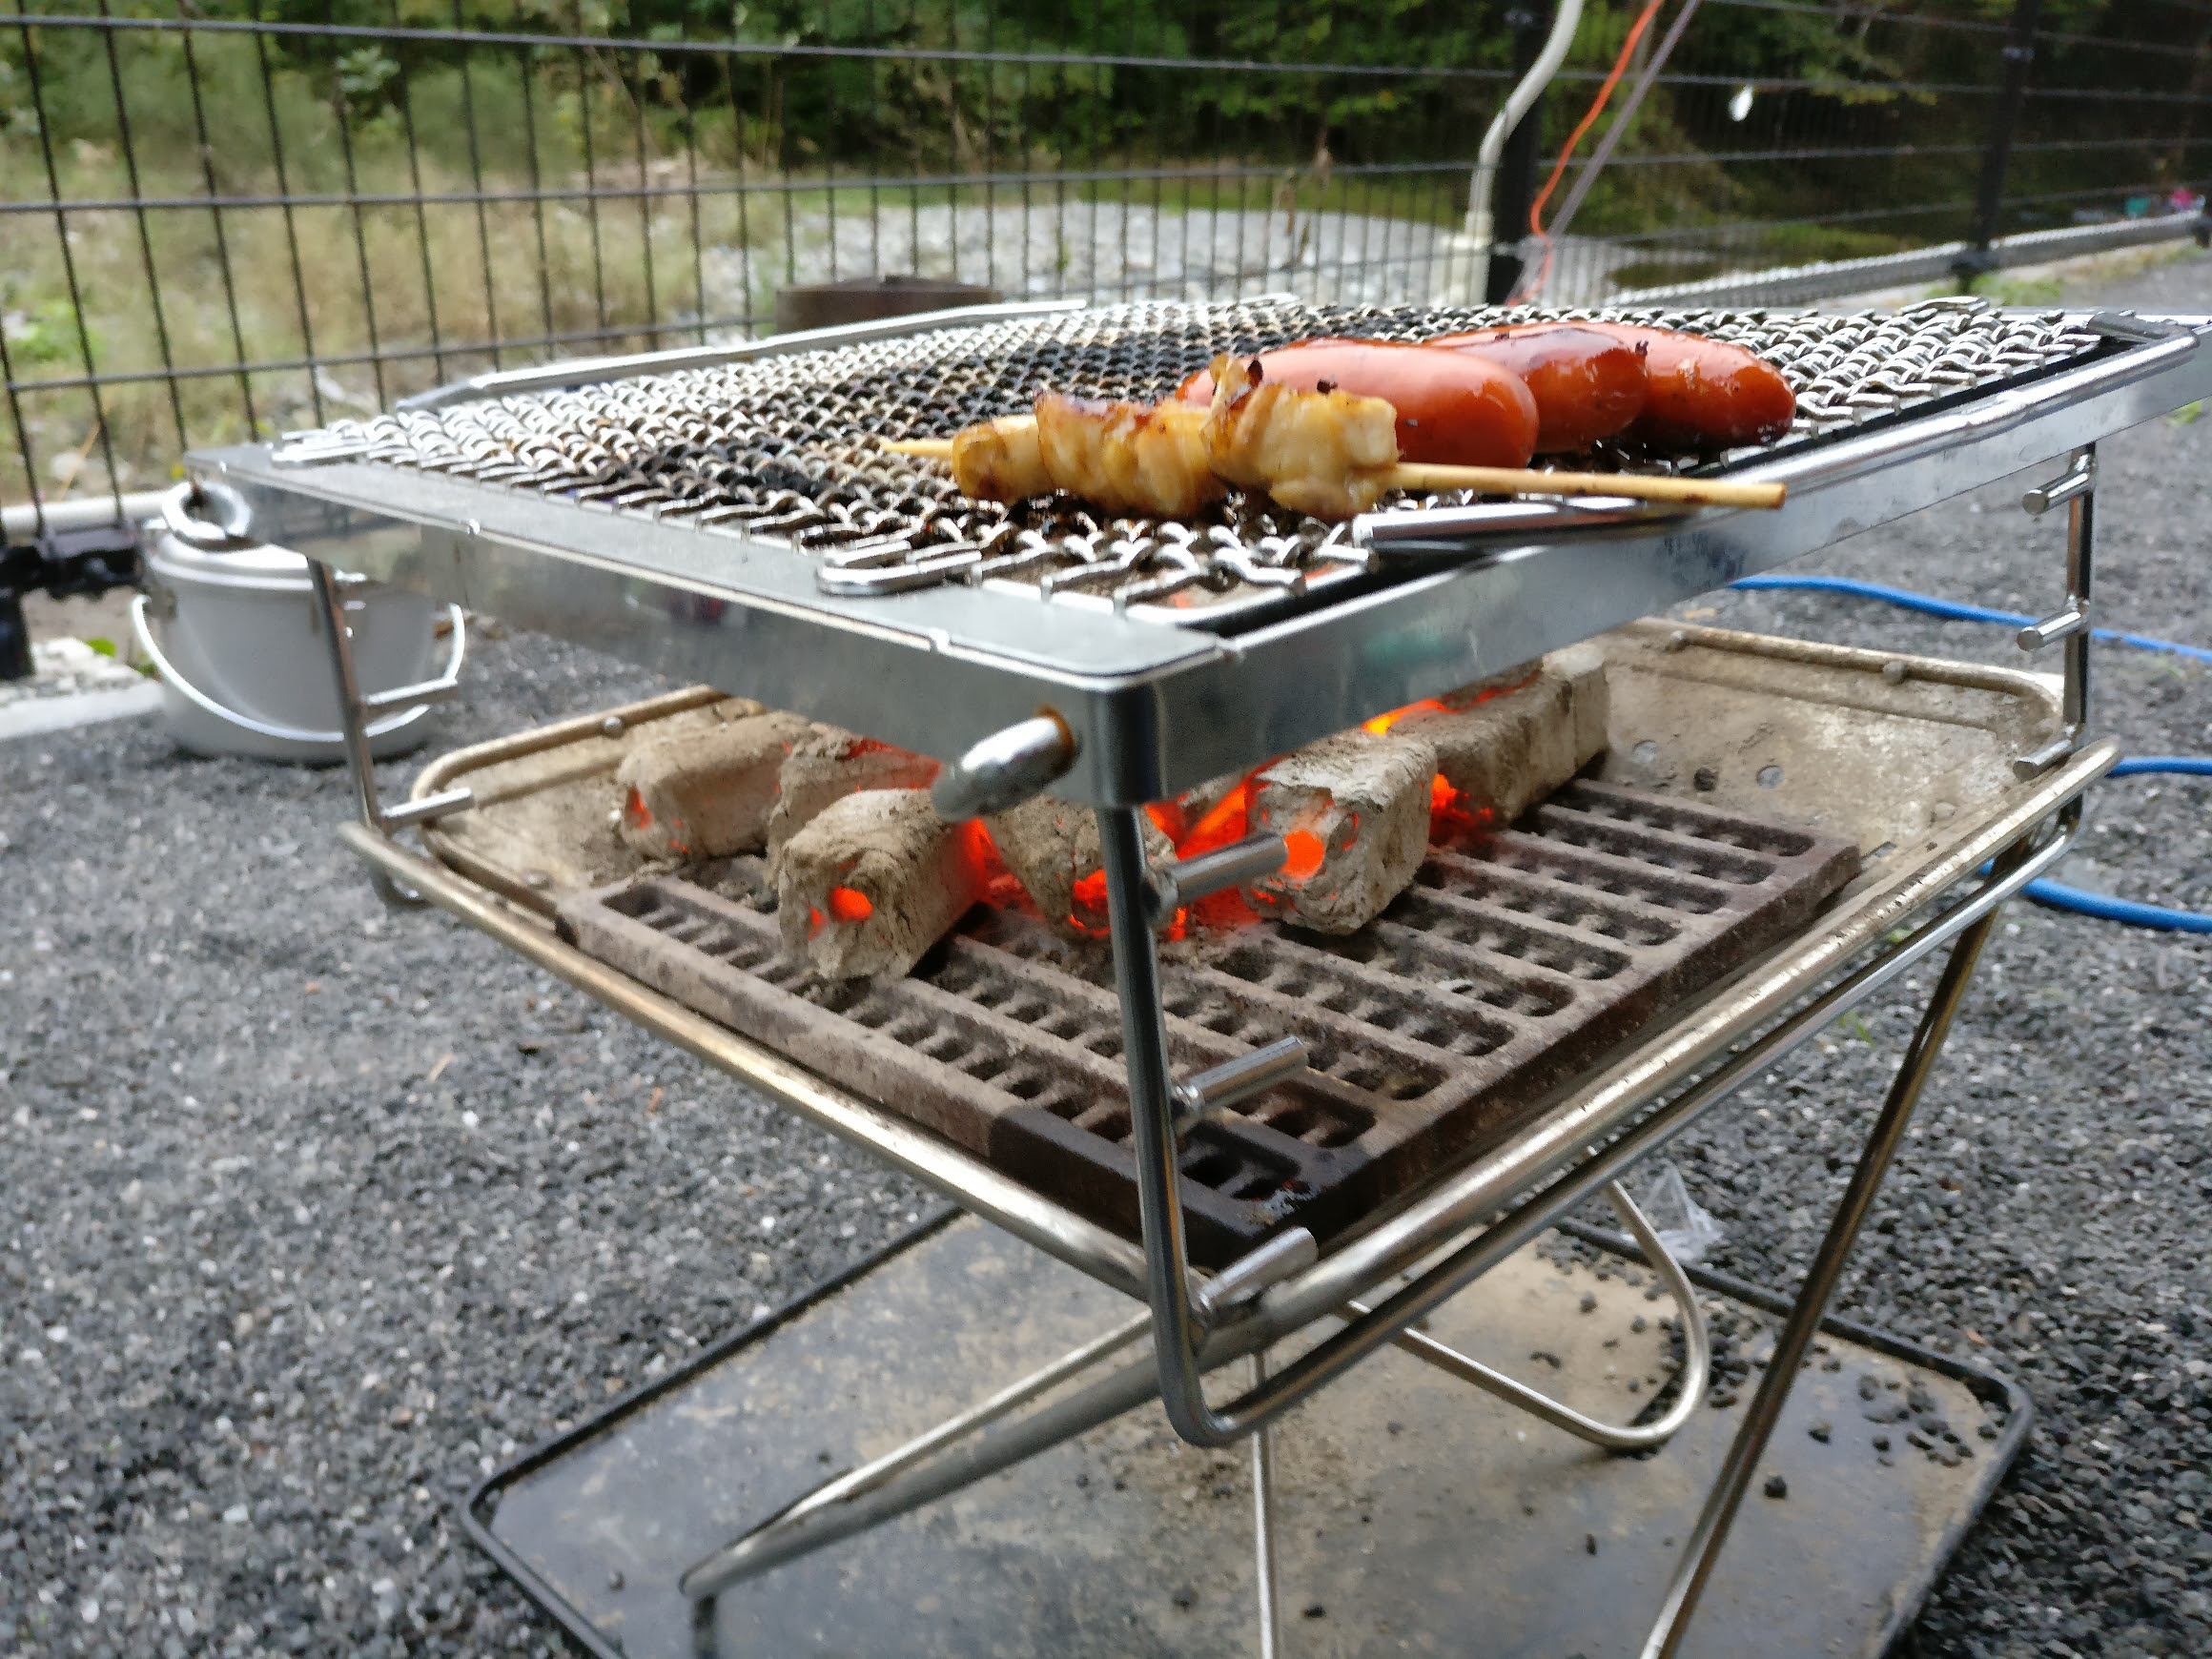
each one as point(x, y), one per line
point(1589, 119)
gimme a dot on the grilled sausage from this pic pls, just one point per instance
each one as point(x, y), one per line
point(1705, 394)
point(1587, 384)
point(1454, 408)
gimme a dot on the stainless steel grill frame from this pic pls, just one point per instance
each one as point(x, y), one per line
point(1156, 708)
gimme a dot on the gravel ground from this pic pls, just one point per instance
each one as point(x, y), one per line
point(310, 1214)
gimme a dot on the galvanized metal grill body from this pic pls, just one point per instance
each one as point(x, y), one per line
point(1508, 964)
point(685, 521)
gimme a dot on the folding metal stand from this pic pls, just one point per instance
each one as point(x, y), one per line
point(1418, 1257)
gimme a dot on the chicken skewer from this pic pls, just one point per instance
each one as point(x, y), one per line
point(1325, 453)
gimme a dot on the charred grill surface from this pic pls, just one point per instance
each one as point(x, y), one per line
point(1512, 961)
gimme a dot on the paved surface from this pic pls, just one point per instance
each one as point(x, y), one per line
point(308, 1214)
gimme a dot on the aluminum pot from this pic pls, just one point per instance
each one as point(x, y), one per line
point(234, 631)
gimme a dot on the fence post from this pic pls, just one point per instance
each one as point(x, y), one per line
point(2019, 52)
point(1516, 187)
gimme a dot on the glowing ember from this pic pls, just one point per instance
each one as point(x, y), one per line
point(1088, 913)
point(1451, 818)
point(851, 905)
point(1000, 887)
point(1306, 852)
point(1382, 723)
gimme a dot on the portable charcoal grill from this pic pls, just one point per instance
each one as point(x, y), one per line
point(726, 519)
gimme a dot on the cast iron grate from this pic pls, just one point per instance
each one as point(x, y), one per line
point(1513, 960)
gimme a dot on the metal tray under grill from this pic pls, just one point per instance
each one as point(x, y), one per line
point(1434, 1029)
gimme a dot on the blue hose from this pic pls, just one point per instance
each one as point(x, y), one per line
point(2057, 894)
point(1950, 610)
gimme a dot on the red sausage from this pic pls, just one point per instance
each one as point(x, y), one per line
point(1453, 407)
point(1705, 393)
point(1587, 384)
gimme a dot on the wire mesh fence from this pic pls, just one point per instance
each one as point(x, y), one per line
point(219, 224)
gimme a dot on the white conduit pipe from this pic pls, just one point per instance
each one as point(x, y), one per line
point(1481, 188)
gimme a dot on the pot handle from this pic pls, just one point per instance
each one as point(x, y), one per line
point(200, 700)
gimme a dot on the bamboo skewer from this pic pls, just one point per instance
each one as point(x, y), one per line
point(1500, 481)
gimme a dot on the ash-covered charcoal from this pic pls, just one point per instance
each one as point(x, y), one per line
point(1353, 809)
point(1051, 847)
point(874, 881)
point(1504, 744)
point(707, 794)
point(831, 764)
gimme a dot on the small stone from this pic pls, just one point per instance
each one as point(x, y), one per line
point(1821, 1431)
point(1315, 1610)
point(1186, 1597)
point(614, 1580)
point(1590, 1302)
point(1777, 1487)
point(1589, 1542)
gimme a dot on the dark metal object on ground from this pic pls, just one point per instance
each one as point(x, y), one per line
point(865, 299)
point(64, 562)
point(1840, 1566)
point(1506, 966)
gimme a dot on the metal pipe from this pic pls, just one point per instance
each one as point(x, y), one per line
point(1217, 1088)
point(1263, 1562)
point(786, 1534)
point(1696, 1356)
point(1618, 127)
point(1701, 1552)
point(1151, 1123)
point(1483, 182)
point(20, 523)
point(2080, 591)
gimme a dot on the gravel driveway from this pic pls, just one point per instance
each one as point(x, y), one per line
point(309, 1214)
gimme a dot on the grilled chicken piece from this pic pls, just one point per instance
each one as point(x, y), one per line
point(1129, 457)
point(1124, 456)
point(1327, 453)
point(1000, 461)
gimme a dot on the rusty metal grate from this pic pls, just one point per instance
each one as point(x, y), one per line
point(784, 449)
point(1511, 961)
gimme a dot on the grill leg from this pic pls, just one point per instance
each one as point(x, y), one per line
point(360, 763)
point(933, 1463)
point(1263, 1529)
point(1702, 1551)
point(1696, 1356)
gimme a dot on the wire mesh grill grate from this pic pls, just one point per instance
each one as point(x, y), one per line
point(784, 448)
